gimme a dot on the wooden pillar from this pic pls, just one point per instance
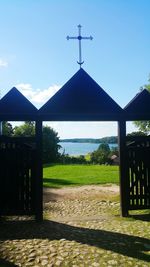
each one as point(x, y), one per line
point(39, 172)
point(123, 168)
point(1, 129)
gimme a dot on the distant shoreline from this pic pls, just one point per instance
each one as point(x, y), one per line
point(109, 140)
point(81, 148)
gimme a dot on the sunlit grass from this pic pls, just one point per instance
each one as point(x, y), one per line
point(76, 175)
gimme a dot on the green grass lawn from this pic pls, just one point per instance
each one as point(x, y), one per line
point(58, 175)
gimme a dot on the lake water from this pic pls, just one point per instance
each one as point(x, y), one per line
point(76, 149)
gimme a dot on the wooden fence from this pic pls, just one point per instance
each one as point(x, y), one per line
point(17, 176)
point(138, 172)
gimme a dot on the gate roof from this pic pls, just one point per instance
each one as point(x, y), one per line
point(16, 107)
point(139, 107)
point(81, 98)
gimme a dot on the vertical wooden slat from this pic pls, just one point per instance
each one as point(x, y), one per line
point(148, 184)
point(39, 172)
point(143, 176)
point(136, 179)
point(33, 180)
point(21, 181)
point(26, 186)
point(124, 185)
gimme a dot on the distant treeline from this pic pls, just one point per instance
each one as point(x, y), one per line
point(108, 140)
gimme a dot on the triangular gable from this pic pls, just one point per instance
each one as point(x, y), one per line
point(80, 97)
point(139, 106)
point(15, 105)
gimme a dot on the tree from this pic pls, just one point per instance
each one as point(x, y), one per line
point(50, 140)
point(7, 128)
point(144, 126)
point(101, 155)
point(139, 133)
point(26, 129)
point(50, 145)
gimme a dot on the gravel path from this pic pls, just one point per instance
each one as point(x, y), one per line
point(81, 192)
point(82, 228)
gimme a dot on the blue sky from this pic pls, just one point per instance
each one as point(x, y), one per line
point(36, 57)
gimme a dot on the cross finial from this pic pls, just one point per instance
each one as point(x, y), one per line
point(79, 38)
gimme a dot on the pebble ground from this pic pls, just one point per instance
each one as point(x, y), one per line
point(79, 232)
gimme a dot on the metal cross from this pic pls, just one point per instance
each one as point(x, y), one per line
point(79, 37)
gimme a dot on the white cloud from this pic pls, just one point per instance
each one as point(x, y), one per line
point(3, 63)
point(44, 95)
point(25, 86)
point(37, 96)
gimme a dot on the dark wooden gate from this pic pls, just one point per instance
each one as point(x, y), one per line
point(138, 172)
point(17, 176)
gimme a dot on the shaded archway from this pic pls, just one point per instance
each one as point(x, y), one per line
point(82, 99)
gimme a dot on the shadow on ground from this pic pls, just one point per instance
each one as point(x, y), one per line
point(4, 263)
point(141, 217)
point(127, 245)
point(57, 183)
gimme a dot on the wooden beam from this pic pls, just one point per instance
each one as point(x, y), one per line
point(1, 130)
point(39, 172)
point(123, 168)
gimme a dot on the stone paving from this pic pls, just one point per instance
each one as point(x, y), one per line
point(77, 233)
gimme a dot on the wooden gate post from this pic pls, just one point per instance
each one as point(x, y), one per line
point(39, 172)
point(123, 168)
point(1, 131)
